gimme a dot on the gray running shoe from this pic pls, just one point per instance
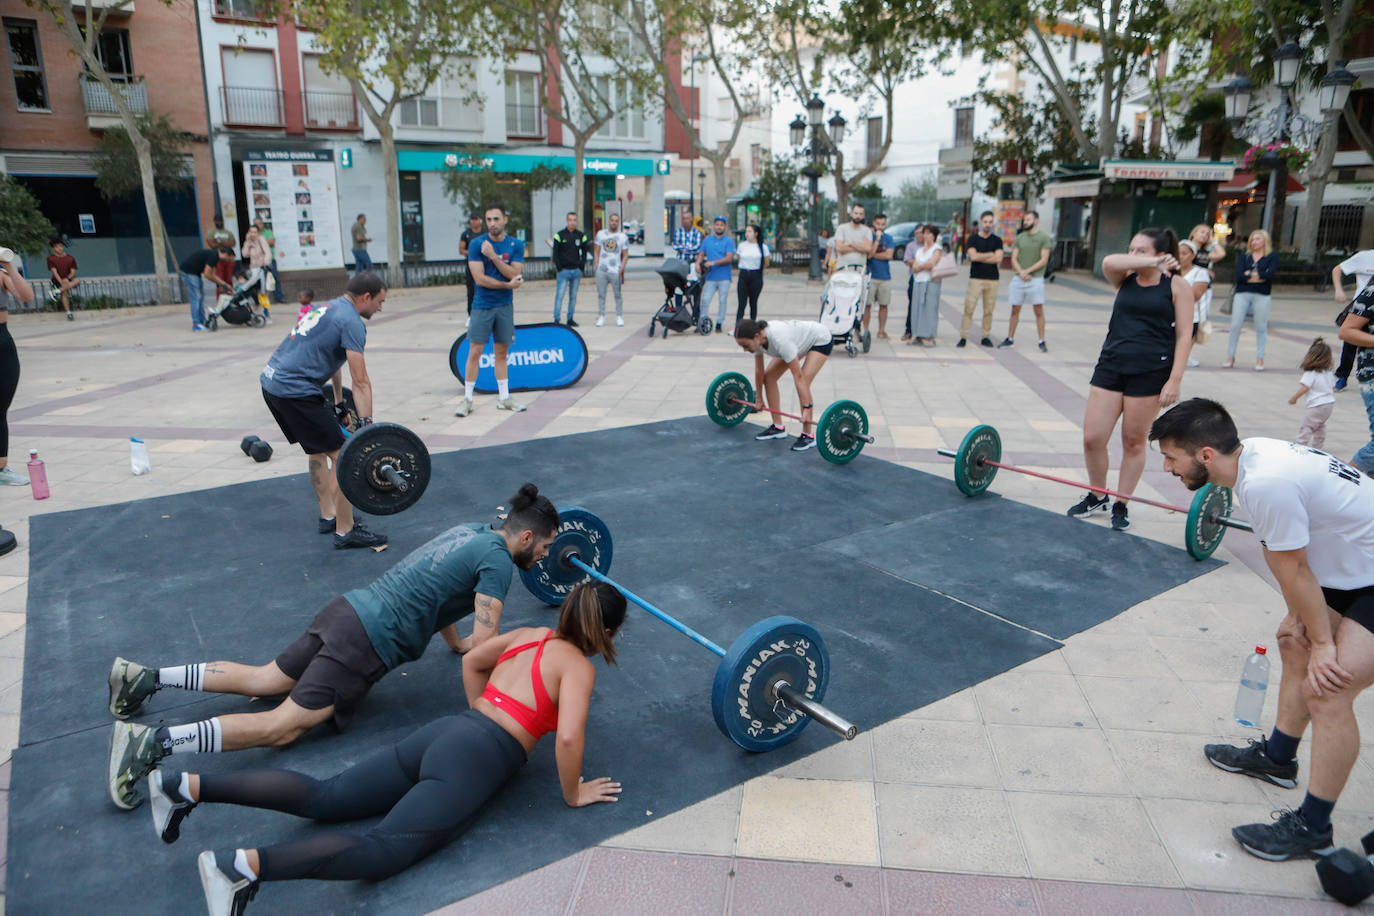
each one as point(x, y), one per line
point(10, 477)
point(1252, 760)
point(226, 891)
point(464, 408)
point(1289, 837)
point(134, 752)
point(130, 685)
point(510, 404)
point(168, 807)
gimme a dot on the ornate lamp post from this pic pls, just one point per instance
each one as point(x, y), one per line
point(817, 149)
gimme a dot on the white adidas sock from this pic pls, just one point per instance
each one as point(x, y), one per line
point(503, 388)
point(469, 389)
point(193, 738)
point(186, 677)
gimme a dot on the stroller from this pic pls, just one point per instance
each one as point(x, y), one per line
point(842, 307)
point(246, 305)
point(679, 280)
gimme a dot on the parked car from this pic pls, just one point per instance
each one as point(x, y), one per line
point(903, 234)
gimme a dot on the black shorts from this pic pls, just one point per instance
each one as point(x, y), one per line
point(1131, 384)
point(333, 663)
point(309, 422)
point(823, 349)
point(1357, 604)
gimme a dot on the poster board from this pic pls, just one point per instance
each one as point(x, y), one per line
point(295, 192)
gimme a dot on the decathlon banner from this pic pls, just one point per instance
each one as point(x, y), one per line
point(543, 356)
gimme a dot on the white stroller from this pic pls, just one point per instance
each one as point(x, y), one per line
point(842, 307)
point(247, 304)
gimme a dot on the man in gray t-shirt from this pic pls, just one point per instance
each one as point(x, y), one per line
point(854, 242)
point(311, 357)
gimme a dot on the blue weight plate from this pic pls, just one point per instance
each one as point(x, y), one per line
point(580, 532)
point(773, 648)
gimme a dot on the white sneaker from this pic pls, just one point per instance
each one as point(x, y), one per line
point(601, 320)
point(619, 322)
point(509, 404)
point(464, 408)
point(13, 478)
point(1193, 362)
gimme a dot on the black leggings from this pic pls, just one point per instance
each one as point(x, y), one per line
point(1347, 360)
point(9, 383)
point(749, 286)
point(430, 786)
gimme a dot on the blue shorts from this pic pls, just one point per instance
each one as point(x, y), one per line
point(488, 323)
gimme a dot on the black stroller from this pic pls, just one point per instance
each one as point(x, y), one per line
point(679, 283)
point(246, 305)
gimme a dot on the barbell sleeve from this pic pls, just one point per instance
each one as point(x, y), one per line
point(661, 615)
point(394, 477)
point(799, 701)
point(1231, 523)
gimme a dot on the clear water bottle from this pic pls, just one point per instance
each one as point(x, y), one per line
point(1254, 679)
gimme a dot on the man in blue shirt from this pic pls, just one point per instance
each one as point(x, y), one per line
point(716, 257)
point(324, 338)
point(880, 276)
point(495, 261)
point(687, 242)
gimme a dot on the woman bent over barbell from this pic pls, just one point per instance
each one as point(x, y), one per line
point(801, 347)
point(431, 784)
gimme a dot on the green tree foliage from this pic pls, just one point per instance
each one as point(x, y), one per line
point(1032, 128)
point(474, 185)
point(781, 197)
point(918, 199)
point(23, 227)
point(116, 162)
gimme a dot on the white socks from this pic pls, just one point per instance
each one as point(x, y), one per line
point(193, 738)
point(241, 865)
point(503, 388)
point(469, 388)
point(186, 677)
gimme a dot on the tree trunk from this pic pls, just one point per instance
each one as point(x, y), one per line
point(718, 176)
point(579, 173)
point(156, 230)
point(391, 173)
point(1315, 177)
point(841, 187)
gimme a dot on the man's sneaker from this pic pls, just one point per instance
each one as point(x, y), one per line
point(1088, 504)
point(803, 443)
point(1007, 342)
point(71, 317)
point(1341, 383)
point(1120, 520)
point(226, 891)
point(10, 477)
point(963, 342)
point(772, 432)
point(1288, 837)
point(168, 807)
point(600, 320)
point(509, 404)
point(359, 536)
point(1253, 760)
point(130, 685)
point(1043, 348)
point(464, 408)
point(619, 322)
point(134, 751)
point(986, 342)
point(571, 323)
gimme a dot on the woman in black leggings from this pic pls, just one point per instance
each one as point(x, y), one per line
point(430, 785)
point(11, 284)
point(752, 255)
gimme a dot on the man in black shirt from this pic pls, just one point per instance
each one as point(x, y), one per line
point(197, 266)
point(570, 249)
point(474, 229)
point(984, 253)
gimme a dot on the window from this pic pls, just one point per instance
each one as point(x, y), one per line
point(1140, 126)
point(522, 104)
point(628, 121)
point(328, 96)
point(420, 113)
point(963, 126)
point(112, 50)
point(26, 62)
point(250, 87)
point(242, 9)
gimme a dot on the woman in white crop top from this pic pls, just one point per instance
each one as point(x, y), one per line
point(800, 347)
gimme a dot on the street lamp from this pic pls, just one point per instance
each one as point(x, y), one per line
point(818, 149)
point(1334, 88)
point(694, 134)
point(701, 178)
point(1238, 93)
point(797, 131)
point(837, 124)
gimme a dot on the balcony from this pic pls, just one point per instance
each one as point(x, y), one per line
point(116, 7)
point(248, 106)
point(330, 110)
point(101, 112)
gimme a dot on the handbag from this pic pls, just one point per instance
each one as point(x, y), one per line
point(947, 267)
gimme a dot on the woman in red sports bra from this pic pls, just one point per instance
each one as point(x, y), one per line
point(520, 685)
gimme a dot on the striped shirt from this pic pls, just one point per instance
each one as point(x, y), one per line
point(687, 242)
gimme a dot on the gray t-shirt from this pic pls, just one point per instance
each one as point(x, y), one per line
point(854, 235)
point(314, 350)
point(431, 588)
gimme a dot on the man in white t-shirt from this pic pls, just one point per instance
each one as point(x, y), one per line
point(1314, 516)
point(612, 251)
point(800, 347)
point(1361, 264)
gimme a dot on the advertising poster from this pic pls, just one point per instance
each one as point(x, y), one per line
point(295, 192)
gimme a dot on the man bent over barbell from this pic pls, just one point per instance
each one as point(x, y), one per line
point(355, 640)
point(1314, 515)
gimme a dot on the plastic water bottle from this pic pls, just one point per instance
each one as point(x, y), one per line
point(38, 476)
point(1254, 679)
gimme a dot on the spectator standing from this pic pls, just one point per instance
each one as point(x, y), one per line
point(923, 310)
point(473, 230)
point(1255, 270)
point(1209, 250)
point(1361, 264)
point(258, 254)
point(854, 242)
point(202, 265)
point(570, 247)
point(12, 283)
point(752, 255)
point(219, 237)
point(880, 276)
point(687, 242)
point(361, 260)
point(985, 251)
point(270, 238)
point(715, 258)
point(496, 261)
point(1030, 252)
point(612, 252)
point(1355, 331)
point(824, 241)
point(1200, 279)
point(954, 231)
point(62, 269)
point(1319, 385)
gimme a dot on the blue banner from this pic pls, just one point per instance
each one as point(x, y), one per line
point(543, 356)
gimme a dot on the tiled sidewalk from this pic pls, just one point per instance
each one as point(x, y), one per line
point(1074, 783)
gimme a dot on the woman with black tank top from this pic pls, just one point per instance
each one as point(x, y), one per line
point(1140, 368)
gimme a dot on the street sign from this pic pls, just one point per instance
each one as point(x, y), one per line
point(955, 181)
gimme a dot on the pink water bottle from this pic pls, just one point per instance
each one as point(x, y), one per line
point(38, 476)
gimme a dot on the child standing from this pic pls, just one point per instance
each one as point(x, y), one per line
point(1319, 384)
point(306, 299)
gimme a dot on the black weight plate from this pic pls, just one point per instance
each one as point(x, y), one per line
point(580, 532)
point(361, 462)
point(971, 475)
point(773, 648)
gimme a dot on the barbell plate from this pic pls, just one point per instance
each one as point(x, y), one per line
point(719, 406)
point(1203, 534)
point(581, 532)
point(773, 648)
point(833, 439)
point(971, 476)
point(360, 463)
